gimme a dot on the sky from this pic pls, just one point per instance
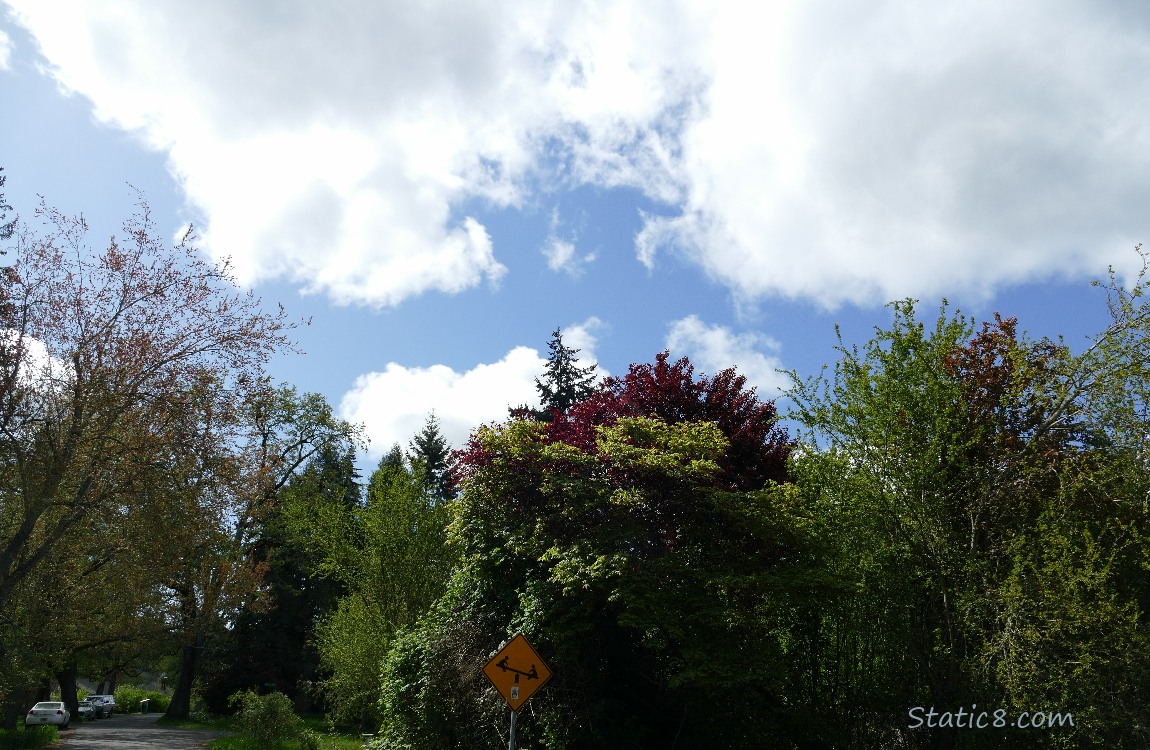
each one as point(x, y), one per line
point(440, 185)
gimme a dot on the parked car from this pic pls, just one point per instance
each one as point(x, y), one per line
point(86, 709)
point(48, 712)
point(104, 705)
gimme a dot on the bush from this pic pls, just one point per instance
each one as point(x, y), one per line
point(29, 737)
point(128, 699)
point(268, 719)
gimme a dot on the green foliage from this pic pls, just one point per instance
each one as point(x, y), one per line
point(267, 719)
point(33, 737)
point(128, 699)
point(987, 494)
point(390, 556)
point(650, 590)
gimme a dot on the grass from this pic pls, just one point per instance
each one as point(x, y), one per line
point(342, 738)
point(339, 738)
point(19, 739)
point(199, 722)
point(326, 742)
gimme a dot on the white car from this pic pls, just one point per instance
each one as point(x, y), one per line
point(86, 709)
point(48, 712)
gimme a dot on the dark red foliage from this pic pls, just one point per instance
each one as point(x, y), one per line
point(758, 445)
point(1000, 375)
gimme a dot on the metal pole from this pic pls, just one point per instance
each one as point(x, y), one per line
point(512, 745)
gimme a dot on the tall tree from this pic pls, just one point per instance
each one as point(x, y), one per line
point(642, 562)
point(275, 643)
point(988, 492)
point(390, 556)
point(97, 358)
point(276, 432)
point(564, 382)
point(430, 452)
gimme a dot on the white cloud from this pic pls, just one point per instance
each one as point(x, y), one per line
point(561, 256)
point(584, 337)
point(715, 348)
point(835, 151)
point(560, 253)
point(338, 147)
point(855, 152)
point(393, 403)
point(5, 51)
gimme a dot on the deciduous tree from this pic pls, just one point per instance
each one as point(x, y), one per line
point(639, 554)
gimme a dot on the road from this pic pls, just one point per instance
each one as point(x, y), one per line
point(133, 732)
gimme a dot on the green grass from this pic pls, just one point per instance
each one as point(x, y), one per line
point(337, 738)
point(19, 739)
point(326, 742)
point(199, 722)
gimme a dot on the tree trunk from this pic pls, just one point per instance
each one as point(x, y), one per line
point(13, 709)
point(181, 703)
point(67, 678)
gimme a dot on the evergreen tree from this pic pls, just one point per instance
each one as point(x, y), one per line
point(430, 450)
point(564, 382)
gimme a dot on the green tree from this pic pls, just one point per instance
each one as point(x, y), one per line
point(612, 539)
point(564, 382)
point(275, 643)
point(389, 556)
point(430, 452)
point(99, 353)
point(274, 433)
point(986, 492)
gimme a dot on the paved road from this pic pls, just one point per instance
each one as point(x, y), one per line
point(133, 732)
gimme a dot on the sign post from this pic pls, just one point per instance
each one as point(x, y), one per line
point(517, 672)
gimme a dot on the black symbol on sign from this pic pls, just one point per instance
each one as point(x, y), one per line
point(502, 664)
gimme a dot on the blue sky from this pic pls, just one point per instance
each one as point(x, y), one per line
point(439, 186)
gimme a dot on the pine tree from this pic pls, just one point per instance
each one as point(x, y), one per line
point(429, 448)
point(564, 382)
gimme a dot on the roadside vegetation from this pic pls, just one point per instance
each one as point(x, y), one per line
point(24, 737)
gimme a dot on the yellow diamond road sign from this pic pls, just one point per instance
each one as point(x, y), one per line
point(517, 672)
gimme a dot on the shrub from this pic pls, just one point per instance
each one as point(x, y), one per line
point(128, 699)
point(308, 740)
point(29, 737)
point(268, 719)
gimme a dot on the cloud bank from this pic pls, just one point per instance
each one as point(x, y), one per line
point(712, 348)
point(831, 151)
point(394, 403)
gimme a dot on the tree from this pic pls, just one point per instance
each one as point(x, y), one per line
point(97, 357)
point(429, 450)
point(638, 557)
point(986, 492)
point(275, 643)
point(276, 431)
point(564, 382)
point(96, 354)
point(389, 557)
